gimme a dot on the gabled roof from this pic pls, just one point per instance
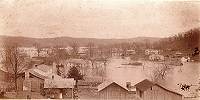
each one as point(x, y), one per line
point(108, 83)
point(38, 73)
point(80, 61)
point(76, 61)
point(146, 84)
point(167, 89)
point(44, 68)
point(59, 82)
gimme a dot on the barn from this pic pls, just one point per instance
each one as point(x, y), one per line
point(31, 80)
point(61, 87)
point(111, 90)
point(140, 90)
point(148, 90)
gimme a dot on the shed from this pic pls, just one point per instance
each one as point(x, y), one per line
point(148, 90)
point(114, 90)
point(62, 87)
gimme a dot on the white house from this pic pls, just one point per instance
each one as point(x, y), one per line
point(151, 51)
point(156, 57)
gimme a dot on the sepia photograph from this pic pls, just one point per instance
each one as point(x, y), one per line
point(100, 49)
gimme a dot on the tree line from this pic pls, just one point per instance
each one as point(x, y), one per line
point(185, 41)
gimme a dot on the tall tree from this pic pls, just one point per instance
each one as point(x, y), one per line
point(76, 74)
point(15, 62)
point(38, 49)
point(90, 46)
point(75, 48)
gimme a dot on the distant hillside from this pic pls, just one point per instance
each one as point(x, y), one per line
point(65, 41)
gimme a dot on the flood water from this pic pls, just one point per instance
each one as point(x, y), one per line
point(189, 73)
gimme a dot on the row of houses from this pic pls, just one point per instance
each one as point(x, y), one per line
point(142, 90)
point(82, 51)
point(42, 79)
point(38, 80)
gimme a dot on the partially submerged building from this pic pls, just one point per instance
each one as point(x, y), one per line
point(156, 57)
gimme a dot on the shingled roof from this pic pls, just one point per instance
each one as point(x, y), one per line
point(58, 82)
point(146, 84)
point(108, 83)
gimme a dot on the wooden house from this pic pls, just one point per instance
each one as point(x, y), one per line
point(31, 80)
point(41, 78)
point(131, 52)
point(148, 90)
point(156, 57)
point(3, 78)
point(114, 91)
point(141, 90)
point(80, 64)
point(62, 87)
point(151, 51)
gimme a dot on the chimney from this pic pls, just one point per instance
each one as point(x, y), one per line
point(128, 85)
point(27, 74)
point(52, 77)
point(36, 65)
point(54, 68)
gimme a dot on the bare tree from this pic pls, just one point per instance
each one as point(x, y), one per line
point(15, 62)
point(100, 48)
point(38, 49)
point(57, 54)
point(75, 48)
point(159, 72)
point(90, 46)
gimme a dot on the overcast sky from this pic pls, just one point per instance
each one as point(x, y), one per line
point(97, 18)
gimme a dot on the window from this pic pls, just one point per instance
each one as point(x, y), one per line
point(140, 93)
point(52, 76)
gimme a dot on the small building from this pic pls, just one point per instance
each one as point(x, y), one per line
point(67, 64)
point(148, 90)
point(3, 78)
point(110, 90)
point(82, 51)
point(156, 57)
point(151, 51)
point(130, 52)
point(61, 87)
point(140, 90)
point(31, 80)
point(3, 73)
point(40, 78)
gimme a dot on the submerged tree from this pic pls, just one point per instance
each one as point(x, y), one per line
point(159, 72)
